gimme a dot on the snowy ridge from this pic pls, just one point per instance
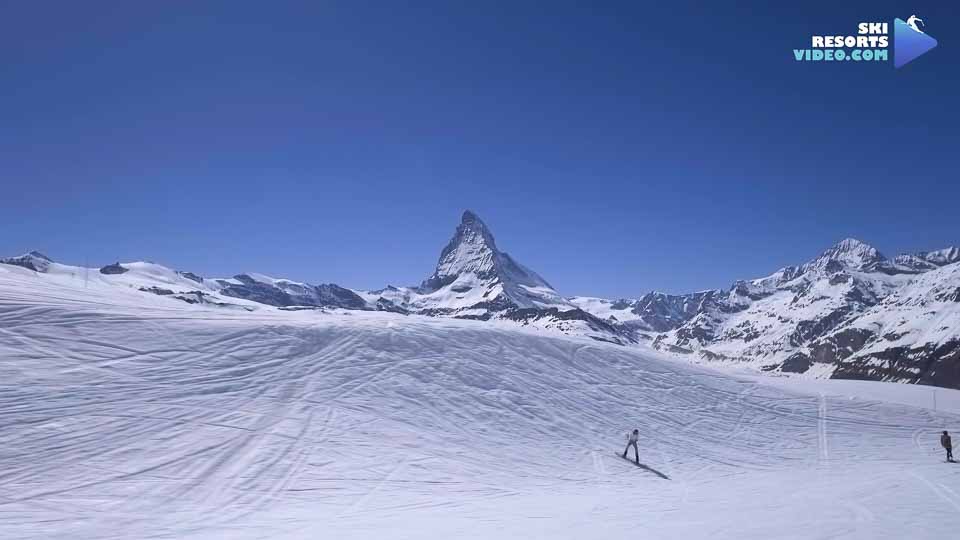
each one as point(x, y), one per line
point(247, 291)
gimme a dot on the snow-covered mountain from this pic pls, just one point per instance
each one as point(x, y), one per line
point(36, 261)
point(244, 291)
point(653, 312)
point(472, 272)
point(849, 313)
point(474, 279)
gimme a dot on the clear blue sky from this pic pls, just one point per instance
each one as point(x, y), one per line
point(613, 147)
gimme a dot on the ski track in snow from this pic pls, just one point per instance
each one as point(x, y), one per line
point(822, 425)
point(122, 420)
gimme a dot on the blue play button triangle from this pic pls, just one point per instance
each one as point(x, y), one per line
point(909, 43)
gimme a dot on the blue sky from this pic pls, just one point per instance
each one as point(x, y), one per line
point(613, 147)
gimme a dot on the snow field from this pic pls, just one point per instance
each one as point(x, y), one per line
point(129, 416)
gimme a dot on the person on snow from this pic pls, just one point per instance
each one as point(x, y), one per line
point(947, 444)
point(632, 441)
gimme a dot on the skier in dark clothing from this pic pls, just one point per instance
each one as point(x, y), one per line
point(947, 445)
point(632, 441)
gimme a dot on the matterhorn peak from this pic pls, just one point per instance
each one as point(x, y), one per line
point(471, 250)
point(473, 229)
point(471, 261)
point(470, 217)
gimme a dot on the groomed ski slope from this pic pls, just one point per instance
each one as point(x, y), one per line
point(131, 416)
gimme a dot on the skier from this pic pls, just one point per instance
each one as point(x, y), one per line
point(912, 23)
point(632, 441)
point(947, 445)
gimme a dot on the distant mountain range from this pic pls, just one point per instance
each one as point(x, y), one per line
point(849, 313)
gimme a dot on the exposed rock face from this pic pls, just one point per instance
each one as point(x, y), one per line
point(285, 293)
point(191, 276)
point(382, 304)
point(604, 330)
point(330, 295)
point(663, 312)
point(36, 261)
point(808, 330)
point(113, 269)
point(250, 289)
point(937, 365)
point(160, 291)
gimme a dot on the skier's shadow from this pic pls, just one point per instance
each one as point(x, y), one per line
point(654, 471)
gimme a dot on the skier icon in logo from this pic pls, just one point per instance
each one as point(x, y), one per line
point(912, 23)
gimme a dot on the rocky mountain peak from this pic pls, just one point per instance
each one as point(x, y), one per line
point(850, 253)
point(471, 262)
point(472, 230)
point(34, 260)
point(470, 219)
point(37, 255)
point(471, 250)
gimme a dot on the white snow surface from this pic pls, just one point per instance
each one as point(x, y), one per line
point(603, 308)
point(918, 313)
point(128, 415)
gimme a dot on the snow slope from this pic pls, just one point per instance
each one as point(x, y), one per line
point(131, 415)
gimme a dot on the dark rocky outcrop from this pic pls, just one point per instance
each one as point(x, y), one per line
point(157, 290)
point(191, 276)
point(527, 315)
point(937, 365)
point(808, 330)
point(292, 294)
point(386, 305)
point(330, 295)
point(797, 363)
point(113, 269)
point(255, 291)
point(950, 296)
